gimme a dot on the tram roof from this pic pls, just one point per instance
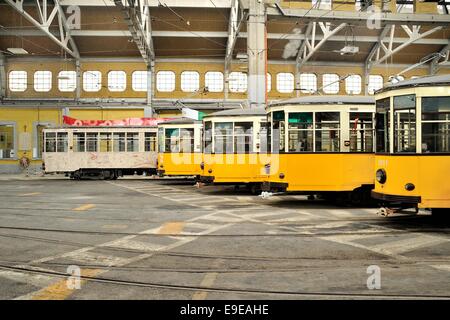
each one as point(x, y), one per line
point(101, 127)
point(427, 81)
point(239, 112)
point(326, 100)
point(181, 121)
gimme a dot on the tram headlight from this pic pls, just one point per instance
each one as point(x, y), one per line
point(381, 176)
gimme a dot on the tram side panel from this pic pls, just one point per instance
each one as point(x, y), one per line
point(179, 163)
point(414, 180)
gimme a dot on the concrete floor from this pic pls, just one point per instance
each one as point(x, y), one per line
point(166, 239)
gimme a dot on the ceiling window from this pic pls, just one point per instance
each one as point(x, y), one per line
point(238, 82)
point(42, 81)
point(67, 81)
point(285, 82)
point(214, 81)
point(17, 81)
point(165, 81)
point(330, 83)
point(269, 82)
point(92, 81)
point(139, 80)
point(375, 83)
point(190, 81)
point(308, 82)
point(117, 81)
point(353, 84)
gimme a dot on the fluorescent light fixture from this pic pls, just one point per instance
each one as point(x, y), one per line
point(17, 50)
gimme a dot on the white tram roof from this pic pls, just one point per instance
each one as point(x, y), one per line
point(181, 121)
point(428, 81)
point(326, 100)
point(238, 112)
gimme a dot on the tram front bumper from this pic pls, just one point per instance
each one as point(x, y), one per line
point(161, 172)
point(274, 186)
point(207, 179)
point(396, 199)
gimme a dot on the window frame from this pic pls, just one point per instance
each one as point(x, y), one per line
point(166, 88)
point(93, 87)
point(281, 82)
point(120, 82)
point(139, 88)
point(23, 86)
point(185, 79)
point(39, 83)
point(327, 86)
point(213, 79)
point(74, 73)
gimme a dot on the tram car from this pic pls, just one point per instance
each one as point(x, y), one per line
point(412, 160)
point(105, 152)
point(180, 147)
point(322, 145)
point(235, 147)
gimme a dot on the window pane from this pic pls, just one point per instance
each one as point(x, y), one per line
point(301, 140)
point(353, 84)
point(161, 139)
point(190, 81)
point(361, 132)
point(285, 82)
point(6, 141)
point(375, 83)
point(62, 142)
point(67, 81)
point(405, 123)
point(223, 137)
point(243, 137)
point(42, 81)
point(139, 80)
point(165, 81)
point(187, 140)
point(327, 131)
point(18, 81)
point(79, 142)
point(308, 82)
point(263, 137)
point(105, 142)
point(50, 142)
point(436, 137)
point(92, 81)
point(172, 140)
point(435, 108)
point(382, 124)
point(278, 131)
point(300, 120)
point(91, 142)
point(214, 81)
point(150, 141)
point(330, 83)
point(132, 142)
point(119, 142)
point(238, 82)
point(117, 81)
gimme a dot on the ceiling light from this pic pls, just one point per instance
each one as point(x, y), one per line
point(17, 50)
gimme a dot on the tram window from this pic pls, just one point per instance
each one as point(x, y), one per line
point(327, 131)
point(223, 137)
point(186, 140)
point(91, 142)
point(119, 142)
point(300, 131)
point(50, 142)
point(243, 137)
point(56, 142)
point(61, 142)
point(405, 123)
point(208, 137)
point(361, 132)
point(172, 140)
point(132, 142)
point(161, 139)
point(435, 124)
point(105, 142)
point(150, 141)
point(263, 137)
point(79, 142)
point(278, 131)
point(382, 125)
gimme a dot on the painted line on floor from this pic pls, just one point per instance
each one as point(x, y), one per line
point(84, 207)
point(30, 194)
point(172, 228)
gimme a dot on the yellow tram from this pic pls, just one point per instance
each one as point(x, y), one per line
point(322, 145)
point(235, 146)
point(180, 147)
point(412, 161)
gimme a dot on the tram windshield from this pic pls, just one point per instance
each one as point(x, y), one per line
point(382, 125)
point(435, 124)
point(278, 122)
point(233, 137)
point(405, 123)
point(361, 132)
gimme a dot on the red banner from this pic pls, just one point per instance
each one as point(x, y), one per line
point(105, 123)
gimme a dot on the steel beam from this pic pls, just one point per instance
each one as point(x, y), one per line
point(63, 38)
point(2, 76)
